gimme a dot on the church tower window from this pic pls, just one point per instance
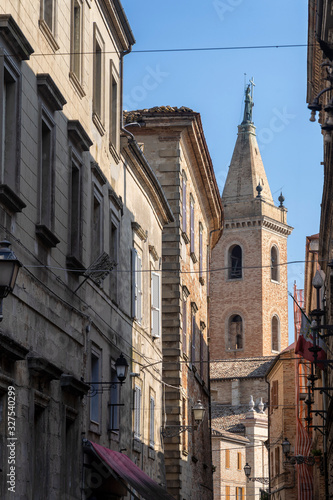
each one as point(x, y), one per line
point(274, 264)
point(235, 262)
point(235, 332)
point(275, 334)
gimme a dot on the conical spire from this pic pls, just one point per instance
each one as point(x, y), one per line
point(246, 171)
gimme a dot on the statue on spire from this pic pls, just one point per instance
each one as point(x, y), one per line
point(248, 103)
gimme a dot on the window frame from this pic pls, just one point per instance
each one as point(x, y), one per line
point(155, 304)
point(227, 459)
point(137, 291)
point(95, 400)
point(151, 420)
point(50, 32)
point(275, 269)
point(275, 342)
point(114, 119)
point(76, 58)
point(137, 412)
point(229, 343)
point(237, 273)
point(98, 80)
point(114, 416)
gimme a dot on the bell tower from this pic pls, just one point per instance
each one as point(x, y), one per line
point(249, 296)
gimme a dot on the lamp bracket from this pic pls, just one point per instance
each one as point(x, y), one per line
point(263, 480)
point(175, 430)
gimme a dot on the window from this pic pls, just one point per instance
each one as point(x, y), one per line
point(10, 103)
point(235, 333)
point(48, 13)
point(239, 461)
point(184, 207)
point(98, 81)
point(235, 262)
point(201, 278)
point(193, 331)
point(137, 412)
point(114, 255)
point(201, 353)
point(192, 227)
point(239, 493)
point(70, 464)
point(41, 444)
point(97, 224)
point(274, 264)
point(114, 112)
point(274, 395)
point(277, 461)
point(75, 209)
point(184, 323)
point(76, 39)
point(227, 493)
point(95, 377)
point(227, 459)
point(184, 422)
point(275, 333)
point(152, 422)
point(155, 304)
point(136, 285)
point(48, 21)
point(114, 401)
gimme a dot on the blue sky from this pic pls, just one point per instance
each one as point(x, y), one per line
point(212, 83)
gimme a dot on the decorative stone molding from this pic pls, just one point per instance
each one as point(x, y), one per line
point(10, 31)
point(152, 251)
point(49, 90)
point(143, 235)
point(98, 173)
point(78, 135)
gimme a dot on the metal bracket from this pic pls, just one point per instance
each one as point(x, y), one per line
point(175, 430)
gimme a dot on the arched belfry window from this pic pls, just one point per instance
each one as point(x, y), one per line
point(274, 264)
point(275, 333)
point(235, 262)
point(235, 332)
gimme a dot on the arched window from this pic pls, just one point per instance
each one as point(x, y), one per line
point(235, 262)
point(235, 332)
point(275, 334)
point(274, 264)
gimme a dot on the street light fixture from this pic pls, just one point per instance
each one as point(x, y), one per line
point(174, 430)
point(247, 470)
point(297, 459)
point(9, 268)
point(121, 368)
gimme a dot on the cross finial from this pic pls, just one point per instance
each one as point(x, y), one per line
point(252, 85)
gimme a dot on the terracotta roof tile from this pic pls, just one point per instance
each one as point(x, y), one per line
point(240, 368)
point(134, 116)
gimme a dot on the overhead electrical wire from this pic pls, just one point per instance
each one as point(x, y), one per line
point(182, 49)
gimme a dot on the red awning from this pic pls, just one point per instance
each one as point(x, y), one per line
point(123, 466)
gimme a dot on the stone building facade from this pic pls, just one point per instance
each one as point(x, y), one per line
point(319, 97)
point(84, 213)
point(282, 424)
point(249, 296)
point(174, 143)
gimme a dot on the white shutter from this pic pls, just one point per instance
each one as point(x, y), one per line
point(134, 284)
point(139, 287)
point(155, 305)
point(151, 423)
point(137, 411)
point(192, 227)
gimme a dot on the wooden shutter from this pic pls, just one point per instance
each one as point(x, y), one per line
point(151, 423)
point(200, 252)
point(227, 459)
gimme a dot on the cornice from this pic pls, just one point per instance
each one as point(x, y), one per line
point(258, 222)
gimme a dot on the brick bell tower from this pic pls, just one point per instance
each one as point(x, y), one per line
point(249, 296)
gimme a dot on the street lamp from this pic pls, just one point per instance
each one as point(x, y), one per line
point(174, 430)
point(121, 368)
point(286, 446)
point(247, 470)
point(198, 411)
point(9, 268)
point(297, 459)
point(121, 365)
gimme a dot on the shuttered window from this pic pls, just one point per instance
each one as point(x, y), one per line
point(200, 253)
point(227, 459)
point(227, 492)
point(184, 211)
point(194, 327)
point(274, 395)
point(239, 461)
point(151, 422)
point(184, 326)
point(155, 305)
point(192, 226)
point(136, 285)
point(137, 412)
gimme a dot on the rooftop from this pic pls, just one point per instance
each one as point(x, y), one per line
point(240, 368)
